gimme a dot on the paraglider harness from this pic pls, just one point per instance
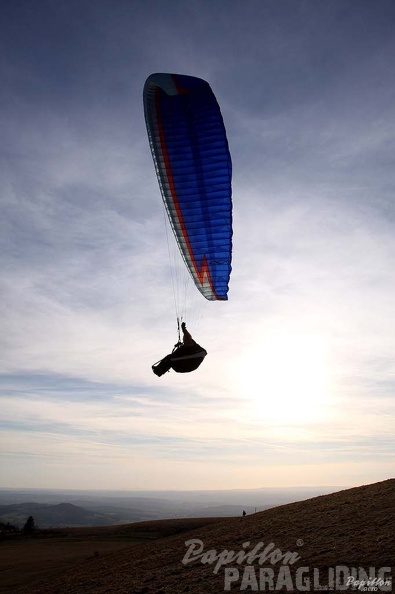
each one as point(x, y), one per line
point(182, 359)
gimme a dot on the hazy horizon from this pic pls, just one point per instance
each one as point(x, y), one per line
point(71, 490)
point(53, 505)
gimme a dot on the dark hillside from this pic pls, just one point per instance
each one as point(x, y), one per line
point(352, 528)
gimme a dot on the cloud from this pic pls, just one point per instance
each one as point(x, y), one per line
point(86, 292)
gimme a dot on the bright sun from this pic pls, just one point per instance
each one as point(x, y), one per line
point(286, 379)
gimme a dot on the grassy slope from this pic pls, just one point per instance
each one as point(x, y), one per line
point(355, 527)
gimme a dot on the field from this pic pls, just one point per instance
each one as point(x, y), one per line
point(24, 560)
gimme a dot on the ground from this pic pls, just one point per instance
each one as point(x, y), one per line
point(353, 529)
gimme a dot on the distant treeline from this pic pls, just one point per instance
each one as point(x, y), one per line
point(29, 527)
point(7, 527)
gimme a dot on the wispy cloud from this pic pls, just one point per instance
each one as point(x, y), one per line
point(300, 367)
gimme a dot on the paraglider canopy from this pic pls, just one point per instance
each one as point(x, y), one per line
point(192, 160)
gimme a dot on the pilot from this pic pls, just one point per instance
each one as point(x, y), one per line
point(185, 357)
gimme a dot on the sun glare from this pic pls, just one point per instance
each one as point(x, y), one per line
point(286, 379)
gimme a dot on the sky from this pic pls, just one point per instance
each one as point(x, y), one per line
point(298, 387)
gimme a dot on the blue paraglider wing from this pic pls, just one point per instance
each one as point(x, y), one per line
point(191, 155)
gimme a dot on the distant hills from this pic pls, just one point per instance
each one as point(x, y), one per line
point(69, 515)
point(64, 515)
point(47, 516)
point(52, 508)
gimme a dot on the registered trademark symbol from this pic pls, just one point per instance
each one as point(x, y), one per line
point(300, 542)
